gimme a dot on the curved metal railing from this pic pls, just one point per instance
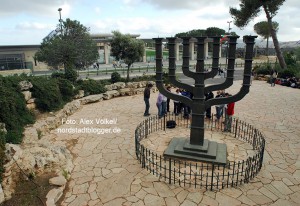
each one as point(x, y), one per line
point(211, 176)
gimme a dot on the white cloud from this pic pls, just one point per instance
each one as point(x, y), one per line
point(34, 7)
point(97, 10)
point(168, 17)
point(33, 26)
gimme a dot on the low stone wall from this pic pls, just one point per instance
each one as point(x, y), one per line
point(35, 153)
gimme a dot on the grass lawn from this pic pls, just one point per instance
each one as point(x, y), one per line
point(152, 53)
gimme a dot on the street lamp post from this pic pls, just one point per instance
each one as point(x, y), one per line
point(61, 31)
point(229, 22)
point(60, 20)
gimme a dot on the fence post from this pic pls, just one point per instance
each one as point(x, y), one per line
point(170, 171)
point(212, 176)
point(236, 126)
point(164, 122)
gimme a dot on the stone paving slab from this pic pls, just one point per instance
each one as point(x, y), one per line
point(106, 171)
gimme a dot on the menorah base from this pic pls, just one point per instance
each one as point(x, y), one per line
point(210, 151)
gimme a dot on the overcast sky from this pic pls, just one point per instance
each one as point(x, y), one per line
point(24, 22)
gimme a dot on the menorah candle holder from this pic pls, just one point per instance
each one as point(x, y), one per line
point(196, 147)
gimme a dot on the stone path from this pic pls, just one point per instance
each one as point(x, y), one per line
point(107, 173)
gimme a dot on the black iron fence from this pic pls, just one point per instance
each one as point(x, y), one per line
point(211, 176)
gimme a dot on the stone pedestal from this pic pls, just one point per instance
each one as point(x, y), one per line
point(210, 151)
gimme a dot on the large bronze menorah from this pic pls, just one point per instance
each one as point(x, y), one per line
point(196, 147)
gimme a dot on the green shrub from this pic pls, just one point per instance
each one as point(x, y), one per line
point(263, 69)
point(143, 78)
point(289, 72)
point(2, 153)
point(47, 94)
point(71, 75)
point(13, 111)
point(289, 58)
point(66, 89)
point(58, 75)
point(91, 86)
point(105, 82)
point(115, 77)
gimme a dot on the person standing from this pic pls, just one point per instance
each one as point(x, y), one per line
point(168, 99)
point(177, 108)
point(219, 108)
point(147, 92)
point(164, 105)
point(159, 104)
point(229, 115)
point(208, 96)
point(273, 77)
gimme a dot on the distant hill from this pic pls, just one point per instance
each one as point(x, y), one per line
point(262, 44)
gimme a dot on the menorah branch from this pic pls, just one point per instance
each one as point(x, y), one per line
point(186, 58)
point(230, 67)
point(215, 57)
point(224, 100)
point(172, 66)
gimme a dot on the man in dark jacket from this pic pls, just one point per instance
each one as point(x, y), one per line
point(147, 92)
point(208, 96)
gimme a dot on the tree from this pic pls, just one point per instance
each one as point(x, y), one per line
point(297, 53)
point(70, 46)
point(250, 9)
point(127, 49)
point(210, 31)
point(194, 32)
point(214, 31)
point(262, 29)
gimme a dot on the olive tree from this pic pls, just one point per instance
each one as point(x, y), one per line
point(126, 48)
point(70, 45)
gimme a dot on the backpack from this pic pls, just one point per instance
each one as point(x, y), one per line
point(171, 124)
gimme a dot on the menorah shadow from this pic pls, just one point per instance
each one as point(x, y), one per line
point(196, 147)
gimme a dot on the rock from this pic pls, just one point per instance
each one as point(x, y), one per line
point(31, 100)
point(110, 94)
point(2, 128)
point(7, 173)
point(52, 122)
point(120, 85)
point(138, 91)
point(31, 106)
point(92, 99)
point(108, 87)
point(111, 87)
point(25, 85)
point(138, 85)
point(27, 95)
point(58, 181)
point(126, 91)
point(69, 109)
point(129, 85)
point(2, 198)
point(13, 151)
point(54, 195)
point(30, 135)
point(80, 94)
point(28, 162)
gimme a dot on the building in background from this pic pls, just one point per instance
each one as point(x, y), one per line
point(20, 58)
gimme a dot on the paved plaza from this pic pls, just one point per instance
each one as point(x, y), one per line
point(106, 171)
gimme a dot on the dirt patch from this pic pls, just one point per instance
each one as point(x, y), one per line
point(28, 193)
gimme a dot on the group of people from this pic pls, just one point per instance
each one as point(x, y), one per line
point(288, 81)
point(117, 64)
point(163, 105)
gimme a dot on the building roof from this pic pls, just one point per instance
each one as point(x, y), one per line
point(18, 47)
